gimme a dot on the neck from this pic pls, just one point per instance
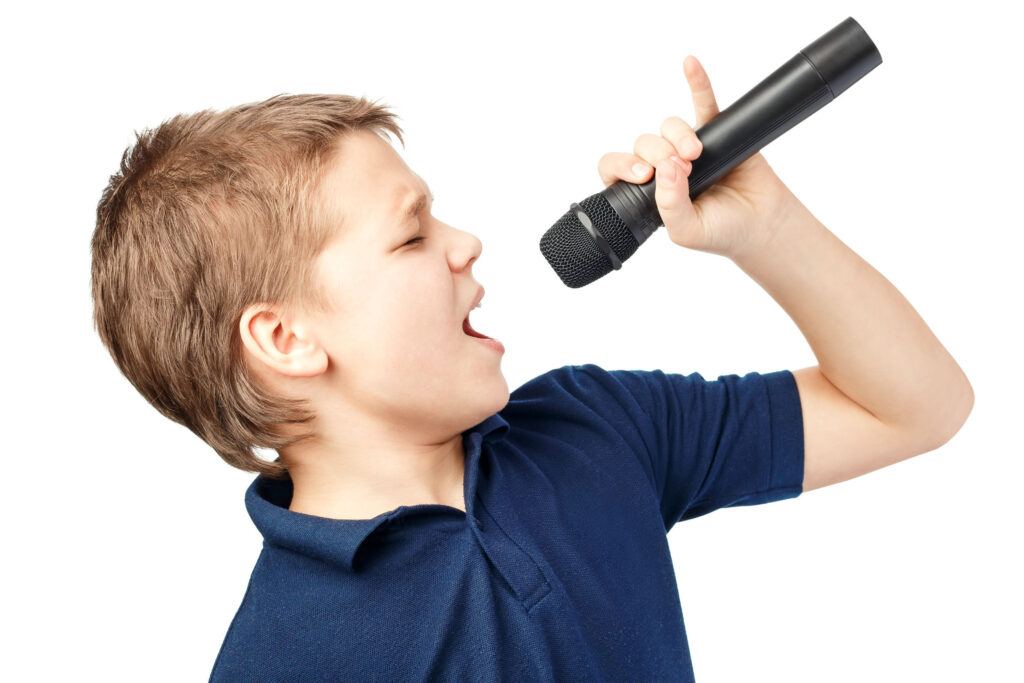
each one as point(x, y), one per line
point(337, 483)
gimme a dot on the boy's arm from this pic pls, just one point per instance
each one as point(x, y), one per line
point(885, 388)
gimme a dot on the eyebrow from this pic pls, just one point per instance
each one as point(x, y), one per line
point(413, 206)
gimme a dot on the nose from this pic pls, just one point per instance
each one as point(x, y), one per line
point(464, 250)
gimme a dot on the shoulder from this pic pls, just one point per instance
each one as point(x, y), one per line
point(292, 624)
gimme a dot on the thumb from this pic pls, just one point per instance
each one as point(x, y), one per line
point(672, 196)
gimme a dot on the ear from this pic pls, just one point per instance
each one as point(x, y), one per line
point(279, 344)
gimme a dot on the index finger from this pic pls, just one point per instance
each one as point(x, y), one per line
point(615, 166)
point(705, 107)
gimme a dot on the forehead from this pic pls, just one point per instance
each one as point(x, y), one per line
point(366, 181)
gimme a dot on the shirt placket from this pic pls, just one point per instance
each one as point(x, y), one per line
point(520, 571)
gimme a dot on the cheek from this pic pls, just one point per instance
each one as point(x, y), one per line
point(408, 310)
point(419, 322)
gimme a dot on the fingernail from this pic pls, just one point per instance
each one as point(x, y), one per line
point(640, 170)
point(693, 145)
point(668, 173)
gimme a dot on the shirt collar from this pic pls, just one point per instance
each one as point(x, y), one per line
point(336, 540)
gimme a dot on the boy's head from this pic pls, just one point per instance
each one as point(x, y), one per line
point(253, 279)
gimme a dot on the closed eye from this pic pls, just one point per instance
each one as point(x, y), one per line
point(414, 240)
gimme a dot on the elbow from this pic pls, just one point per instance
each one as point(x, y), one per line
point(950, 415)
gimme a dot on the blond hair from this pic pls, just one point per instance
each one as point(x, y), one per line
point(212, 212)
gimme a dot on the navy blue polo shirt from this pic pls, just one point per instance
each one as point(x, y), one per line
point(559, 569)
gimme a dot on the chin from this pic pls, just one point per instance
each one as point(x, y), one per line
point(500, 394)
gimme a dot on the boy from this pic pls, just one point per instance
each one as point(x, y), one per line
point(272, 276)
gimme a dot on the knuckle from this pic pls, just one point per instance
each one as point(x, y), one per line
point(652, 148)
point(642, 141)
point(675, 125)
point(675, 130)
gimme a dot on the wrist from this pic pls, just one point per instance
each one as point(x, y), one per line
point(785, 218)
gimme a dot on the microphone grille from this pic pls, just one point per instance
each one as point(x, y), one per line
point(573, 253)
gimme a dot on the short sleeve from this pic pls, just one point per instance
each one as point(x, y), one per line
point(702, 444)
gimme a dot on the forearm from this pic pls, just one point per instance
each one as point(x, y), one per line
point(869, 341)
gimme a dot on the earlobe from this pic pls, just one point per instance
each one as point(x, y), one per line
point(280, 345)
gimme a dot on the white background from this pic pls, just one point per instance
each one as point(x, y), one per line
point(127, 542)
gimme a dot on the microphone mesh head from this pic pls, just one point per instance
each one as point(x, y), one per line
point(573, 253)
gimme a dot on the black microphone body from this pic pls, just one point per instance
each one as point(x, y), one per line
point(596, 235)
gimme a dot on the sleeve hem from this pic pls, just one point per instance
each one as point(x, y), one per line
point(787, 429)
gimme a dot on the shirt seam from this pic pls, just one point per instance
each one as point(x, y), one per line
point(771, 432)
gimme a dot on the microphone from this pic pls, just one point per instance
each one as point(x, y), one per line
point(597, 234)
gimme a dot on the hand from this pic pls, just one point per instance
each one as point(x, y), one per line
point(739, 212)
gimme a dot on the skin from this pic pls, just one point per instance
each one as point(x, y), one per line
point(885, 388)
point(396, 381)
point(392, 377)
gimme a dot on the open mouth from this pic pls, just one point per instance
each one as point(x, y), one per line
point(470, 331)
